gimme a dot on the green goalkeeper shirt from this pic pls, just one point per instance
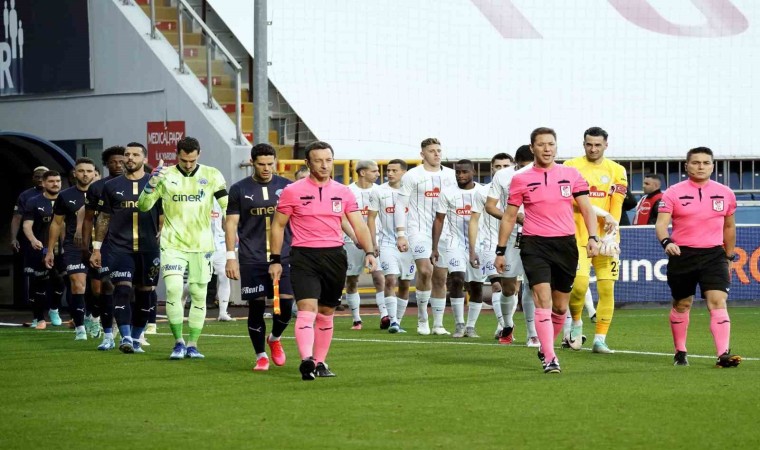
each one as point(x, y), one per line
point(187, 199)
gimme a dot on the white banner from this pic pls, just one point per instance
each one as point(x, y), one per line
point(374, 78)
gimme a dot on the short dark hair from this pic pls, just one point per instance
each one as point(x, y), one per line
point(539, 131)
point(696, 150)
point(400, 162)
point(656, 176)
point(523, 154)
point(318, 145)
point(262, 149)
point(116, 150)
point(502, 155)
point(50, 173)
point(84, 160)
point(595, 132)
point(465, 162)
point(302, 169)
point(188, 145)
point(429, 141)
point(137, 144)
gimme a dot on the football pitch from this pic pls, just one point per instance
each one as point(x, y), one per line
point(391, 391)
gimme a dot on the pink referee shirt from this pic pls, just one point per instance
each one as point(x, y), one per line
point(698, 212)
point(548, 198)
point(315, 212)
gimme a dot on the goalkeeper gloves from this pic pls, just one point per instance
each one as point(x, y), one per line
point(157, 175)
point(609, 246)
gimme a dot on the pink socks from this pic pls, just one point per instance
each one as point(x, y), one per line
point(323, 334)
point(545, 331)
point(720, 327)
point(679, 325)
point(305, 333)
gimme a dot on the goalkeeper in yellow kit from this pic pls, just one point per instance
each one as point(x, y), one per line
point(608, 185)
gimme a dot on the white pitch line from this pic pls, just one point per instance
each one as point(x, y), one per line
point(417, 342)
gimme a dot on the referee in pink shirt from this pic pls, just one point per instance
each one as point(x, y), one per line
point(547, 248)
point(702, 244)
point(315, 206)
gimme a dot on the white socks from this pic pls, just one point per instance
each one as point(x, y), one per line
point(473, 313)
point(354, 301)
point(457, 308)
point(496, 302)
point(438, 305)
point(508, 307)
point(380, 301)
point(423, 297)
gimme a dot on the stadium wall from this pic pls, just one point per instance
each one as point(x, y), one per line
point(135, 81)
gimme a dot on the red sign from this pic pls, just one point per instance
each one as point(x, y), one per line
point(162, 141)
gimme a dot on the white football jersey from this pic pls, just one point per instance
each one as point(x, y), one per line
point(488, 225)
point(457, 203)
point(383, 201)
point(499, 189)
point(217, 226)
point(423, 189)
point(362, 199)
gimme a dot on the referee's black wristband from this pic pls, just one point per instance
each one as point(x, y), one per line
point(665, 242)
point(501, 250)
point(274, 259)
point(369, 253)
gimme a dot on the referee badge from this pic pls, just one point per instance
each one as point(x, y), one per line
point(565, 191)
point(337, 206)
point(718, 205)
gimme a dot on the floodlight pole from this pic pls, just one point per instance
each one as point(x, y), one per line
point(260, 77)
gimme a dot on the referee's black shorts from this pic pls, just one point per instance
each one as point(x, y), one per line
point(552, 260)
point(706, 267)
point(318, 273)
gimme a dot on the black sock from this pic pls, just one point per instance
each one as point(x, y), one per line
point(77, 309)
point(153, 307)
point(141, 313)
point(256, 327)
point(106, 312)
point(38, 297)
point(122, 310)
point(280, 321)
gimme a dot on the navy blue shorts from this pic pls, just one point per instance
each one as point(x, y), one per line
point(137, 268)
point(35, 265)
point(255, 281)
point(73, 260)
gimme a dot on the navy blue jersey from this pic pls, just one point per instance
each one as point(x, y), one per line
point(92, 198)
point(40, 210)
point(20, 208)
point(129, 230)
point(68, 203)
point(256, 203)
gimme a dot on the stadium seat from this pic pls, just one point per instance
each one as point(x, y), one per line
point(733, 180)
point(674, 178)
point(637, 181)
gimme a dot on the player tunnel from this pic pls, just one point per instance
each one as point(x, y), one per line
point(20, 153)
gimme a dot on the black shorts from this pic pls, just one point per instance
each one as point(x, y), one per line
point(73, 260)
point(552, 260)
point(318, 273)
point(137, 268)
point(35, 265)
point(255, 281)
point(707, 267)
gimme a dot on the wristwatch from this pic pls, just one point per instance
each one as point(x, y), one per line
point(732, 257)
point(596, 238)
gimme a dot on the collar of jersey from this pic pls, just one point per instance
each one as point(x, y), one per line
point(197, 166)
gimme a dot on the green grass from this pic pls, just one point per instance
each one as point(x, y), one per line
point(392, 391)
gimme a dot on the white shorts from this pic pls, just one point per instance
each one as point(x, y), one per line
point(486, 257)
point(457, 260)
point(421, 247)
point(514, 262)
point(219, 261)
point(393, 262)
point(355, 257)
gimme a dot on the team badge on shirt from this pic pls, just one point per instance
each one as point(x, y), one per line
point(565, 191)
point(718, 205)
point(337, 206)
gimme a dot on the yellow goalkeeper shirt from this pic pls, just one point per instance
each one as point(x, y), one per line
point(608, 185)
